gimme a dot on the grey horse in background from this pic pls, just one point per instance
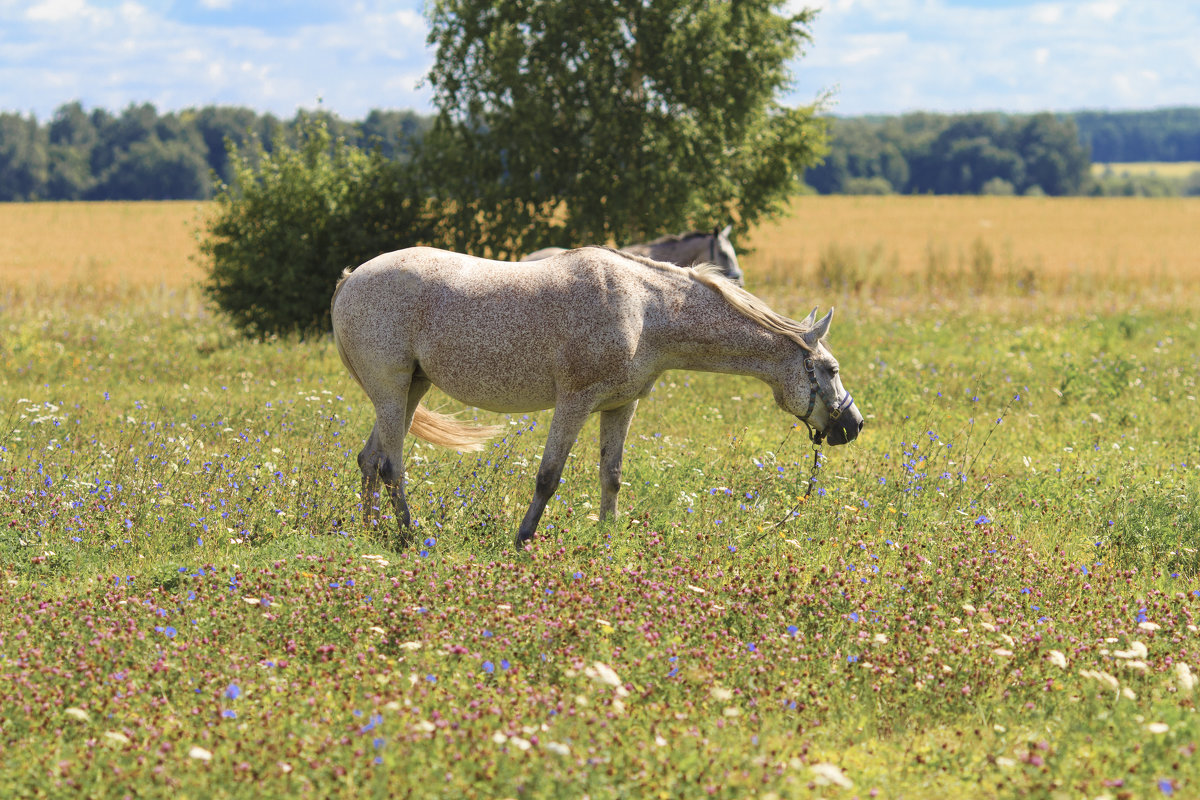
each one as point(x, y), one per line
point(680, 249)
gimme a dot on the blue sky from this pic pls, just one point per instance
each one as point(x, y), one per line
point(872, 56)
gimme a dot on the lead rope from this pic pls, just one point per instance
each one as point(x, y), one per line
point(802, 499)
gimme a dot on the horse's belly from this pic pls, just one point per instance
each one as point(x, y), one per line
point(494, 386)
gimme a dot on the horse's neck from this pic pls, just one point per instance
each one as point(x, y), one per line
point(706, 334)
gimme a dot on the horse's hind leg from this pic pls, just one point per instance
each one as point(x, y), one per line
point(614, 425)
point(369, 461)
point(392, 420)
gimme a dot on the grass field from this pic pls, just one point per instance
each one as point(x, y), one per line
point(993, 592)
point(1165, 169)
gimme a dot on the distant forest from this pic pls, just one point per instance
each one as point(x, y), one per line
point(140, 154)
point(997, 153)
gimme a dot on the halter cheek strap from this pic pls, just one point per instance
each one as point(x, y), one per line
point(835, 410)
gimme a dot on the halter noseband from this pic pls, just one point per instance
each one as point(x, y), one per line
point(835, 410)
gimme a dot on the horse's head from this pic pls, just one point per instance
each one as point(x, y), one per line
point(812, 389)
point(721, 253)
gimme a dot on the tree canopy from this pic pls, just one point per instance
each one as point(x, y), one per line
point(594, 121)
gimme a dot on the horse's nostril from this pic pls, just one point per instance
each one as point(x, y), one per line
point(861, 423)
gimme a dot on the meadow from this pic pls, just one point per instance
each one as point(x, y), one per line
point(993, 592)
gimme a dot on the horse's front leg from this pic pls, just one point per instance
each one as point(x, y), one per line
point(564, 429)
point(614, 425)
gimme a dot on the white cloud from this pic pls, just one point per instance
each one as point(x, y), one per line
point(58, 11)
point(1047, 14)
point(886, 56)
point(1104, 10)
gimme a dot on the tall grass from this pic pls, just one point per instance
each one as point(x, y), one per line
point(991, 593)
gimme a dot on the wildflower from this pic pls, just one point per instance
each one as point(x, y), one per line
point(1058, 659)
point(1184, 677)
point(233, 691)
point(489, 667)
point(825, 774)
point(199, 753)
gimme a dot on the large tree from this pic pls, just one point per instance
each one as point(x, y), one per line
point(594, 121)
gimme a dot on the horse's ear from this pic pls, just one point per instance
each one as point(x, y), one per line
point(725, 233)
point(820, 330)
point(811, 319)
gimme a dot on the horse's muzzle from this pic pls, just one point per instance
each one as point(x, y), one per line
point(845, 426)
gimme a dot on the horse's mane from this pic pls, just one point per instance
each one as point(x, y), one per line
point(738, 298)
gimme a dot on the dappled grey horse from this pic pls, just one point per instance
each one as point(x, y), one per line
point(682, 249)
point(585, 331)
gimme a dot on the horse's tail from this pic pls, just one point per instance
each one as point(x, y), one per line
point(440, 429)
point(447, 431)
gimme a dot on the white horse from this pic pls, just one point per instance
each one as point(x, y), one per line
point(588, 330)
point(682, 249)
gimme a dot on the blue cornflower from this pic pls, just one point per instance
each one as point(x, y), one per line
point(489, 667)
point(233, 691)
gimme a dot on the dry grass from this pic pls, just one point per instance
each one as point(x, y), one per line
point(904, 245)
point(1057, 245)
point(104, 246)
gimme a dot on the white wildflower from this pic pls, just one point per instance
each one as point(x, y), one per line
point(1184, 677)
point(825, 774)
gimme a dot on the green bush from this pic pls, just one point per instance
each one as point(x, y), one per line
point(293, 219)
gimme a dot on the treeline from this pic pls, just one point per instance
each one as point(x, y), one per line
point(924, 153)
point(998, 153)
point(141, 154)
point(1167, 134)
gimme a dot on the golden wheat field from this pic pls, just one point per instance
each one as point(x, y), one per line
point(859, 243)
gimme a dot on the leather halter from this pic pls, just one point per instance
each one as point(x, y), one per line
point(835, 409)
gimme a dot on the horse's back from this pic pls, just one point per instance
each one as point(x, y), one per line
point(499, 335)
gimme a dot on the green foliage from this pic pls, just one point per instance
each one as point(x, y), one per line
point(956, 154)
point(1164, 134)
point(584, 122)
point(294, 218)
point(140, 154)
